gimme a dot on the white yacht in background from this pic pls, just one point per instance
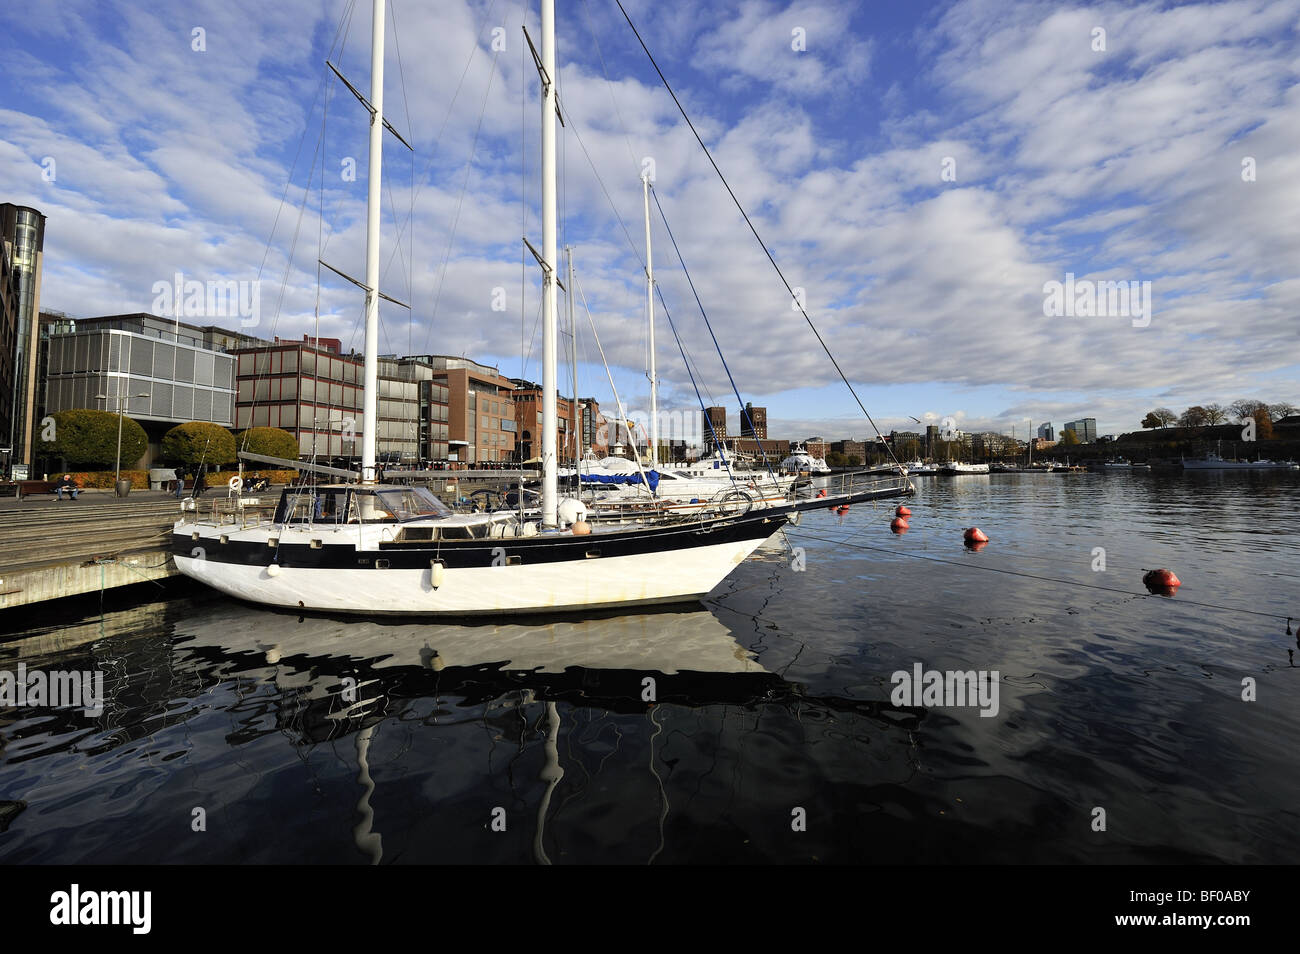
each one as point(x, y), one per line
point(1215, 462)
point(802, 462)
point(918, 469)
point(956, 467)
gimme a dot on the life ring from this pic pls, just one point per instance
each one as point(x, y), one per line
point(236, 484)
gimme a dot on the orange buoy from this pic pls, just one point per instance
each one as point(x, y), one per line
point(822, 492)
point(898, 525)
point(581, 528)
point(842, 509)
point(1162, 581)
point(903, 512)
point(975, 535)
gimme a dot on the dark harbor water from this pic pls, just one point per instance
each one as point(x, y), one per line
point(319, 740)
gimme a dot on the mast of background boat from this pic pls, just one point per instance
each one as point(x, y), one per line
point(550, 494)
point(574, 413)
point(369, 419)
point(650, 311)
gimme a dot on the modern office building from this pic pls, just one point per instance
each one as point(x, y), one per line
point(577, 423)
point(414, 413)
point(1085, 429)
point(22, 231)
point(480, 410)
point(160, 380)
point(753, 422)
point(9, 283)
point(312, 392)
point(1045, 431)
point(715, 425)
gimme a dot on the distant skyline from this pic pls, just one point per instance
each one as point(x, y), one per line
point(935, 178)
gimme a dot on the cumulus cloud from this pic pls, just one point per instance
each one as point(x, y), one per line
point(985, 149)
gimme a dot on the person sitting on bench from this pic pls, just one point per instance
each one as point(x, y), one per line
point(68, 484)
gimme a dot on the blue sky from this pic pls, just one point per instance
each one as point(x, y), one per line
point(1114, 156)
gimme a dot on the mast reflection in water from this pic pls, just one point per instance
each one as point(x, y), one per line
point(328, 740)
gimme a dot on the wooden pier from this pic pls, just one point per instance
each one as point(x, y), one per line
point(52, 549)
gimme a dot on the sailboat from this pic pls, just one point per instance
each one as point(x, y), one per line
point(371, 548)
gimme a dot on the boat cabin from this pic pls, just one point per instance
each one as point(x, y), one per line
point(352, 503)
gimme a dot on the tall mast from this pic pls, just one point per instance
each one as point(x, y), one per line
point(550, 421)
point(369, 419)
point(575, 415)
point(650, 311)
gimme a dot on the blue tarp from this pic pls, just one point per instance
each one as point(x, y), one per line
point(651, 479)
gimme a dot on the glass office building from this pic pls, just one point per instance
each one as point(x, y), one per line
point(22, 230)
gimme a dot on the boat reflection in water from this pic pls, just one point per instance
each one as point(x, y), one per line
point(350, 676)
point(651, 737)
point(337, 678)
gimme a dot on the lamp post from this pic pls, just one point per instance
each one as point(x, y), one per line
point(117, 469)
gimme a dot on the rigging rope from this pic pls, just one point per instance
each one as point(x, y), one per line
point(752, 228)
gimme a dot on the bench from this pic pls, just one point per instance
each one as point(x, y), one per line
point(27, 488)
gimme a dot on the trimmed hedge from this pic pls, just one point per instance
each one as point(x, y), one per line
point(84, 436)
point(269, 442)
point(103, 479)
point(199, 442)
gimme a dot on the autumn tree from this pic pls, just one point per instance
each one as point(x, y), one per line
point(1194, 416)
point(1215, 414)
point(1243, 408)
point(1263, 424)
point(1069, 438)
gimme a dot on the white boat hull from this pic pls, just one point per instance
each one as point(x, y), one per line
point(675, 576)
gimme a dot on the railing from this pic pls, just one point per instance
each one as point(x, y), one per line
point(858, 485)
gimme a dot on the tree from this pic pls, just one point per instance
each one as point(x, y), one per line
point(1215, 414)
point(1150, 421)
point(1069, 438)
point(1194, 416)
point(269, 442)
point(88, 438)
point(1243, 408)
point(1280, 410)
point(199, 442)
point(1164, 416)
point(1263, 424)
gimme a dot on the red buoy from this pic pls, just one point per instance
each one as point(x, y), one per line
point(898, 525)
point(842, 509)
point(903, 512)
point(1163, 582)
point(822, 492)
point(975, 535)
